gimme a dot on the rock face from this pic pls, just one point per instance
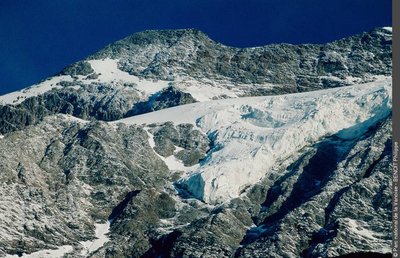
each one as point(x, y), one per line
point(150, 136)
point(168, 97)
point(79, 68)
point(94, 101)
point(66, 176)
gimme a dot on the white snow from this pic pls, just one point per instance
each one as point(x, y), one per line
point(151, 137)
point(19, 96)
point(101, 232)
point(109, 72)
point(175, 164)
point(1, 136)
point(201, 89)
point(206, 90)
point(388, 29)
point(257, 132)
point(48, 253)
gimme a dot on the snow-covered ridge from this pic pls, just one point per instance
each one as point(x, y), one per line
point(107, 71)
point(204, 90)
point(35, 90)
point(203, 83)
point(257, 132)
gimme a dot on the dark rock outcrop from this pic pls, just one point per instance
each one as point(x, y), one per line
point(168, 97)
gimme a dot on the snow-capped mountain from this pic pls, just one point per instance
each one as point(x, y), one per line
point(169, 144)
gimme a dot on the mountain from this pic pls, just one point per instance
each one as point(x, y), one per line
point(169, 144)
point(152, 70)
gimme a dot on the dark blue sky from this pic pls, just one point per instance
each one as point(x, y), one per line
point(38, 38)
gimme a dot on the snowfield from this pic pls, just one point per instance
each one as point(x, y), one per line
point(109, 72)
point(253, 134)
point(201, 90)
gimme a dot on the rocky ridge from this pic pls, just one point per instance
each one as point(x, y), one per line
point(152, 70)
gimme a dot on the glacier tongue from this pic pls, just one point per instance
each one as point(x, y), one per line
point(253, 134)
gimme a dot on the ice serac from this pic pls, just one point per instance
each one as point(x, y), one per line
point(257, 136)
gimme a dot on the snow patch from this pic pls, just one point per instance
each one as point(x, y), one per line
point(109, 72)
point(175, 164)
point(73, 119)
point(172, 162)
point(201, 90)
point(205, 90)
point(47, 253)
point(359, 230)
point(151, 138)
point(18, 96)
point(101, 233)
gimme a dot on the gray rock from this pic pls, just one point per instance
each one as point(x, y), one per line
point(99, 101)
point(194, 143)
point(79, 68)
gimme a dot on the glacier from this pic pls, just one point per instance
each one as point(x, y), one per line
point(253, 134)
